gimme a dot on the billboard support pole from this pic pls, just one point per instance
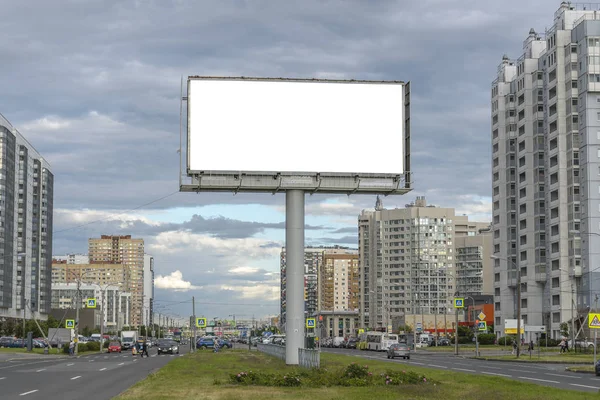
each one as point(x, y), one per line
point(294, 243)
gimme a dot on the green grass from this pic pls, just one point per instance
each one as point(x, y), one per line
point(21, 350)
point(205, 375)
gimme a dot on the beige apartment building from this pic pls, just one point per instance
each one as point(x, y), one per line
point(414, 259)
point(128, 255)
point(338, 280)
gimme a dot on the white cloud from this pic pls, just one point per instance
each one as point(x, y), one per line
point(263, 291)
point(241, 249)
point(243, 271)
point(174, 281)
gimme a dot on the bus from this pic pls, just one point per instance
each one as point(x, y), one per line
point(380, 341)
point(362, 341)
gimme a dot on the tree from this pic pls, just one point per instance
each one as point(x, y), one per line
point(405, 328)
point(564, 329)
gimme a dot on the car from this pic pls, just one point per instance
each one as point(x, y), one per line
point(444, 342)
point(205, 343)
point(597, 368)
point(352, 343)
point(114, 347)
point(399, 350)
point(226, 343)
point(168, 346)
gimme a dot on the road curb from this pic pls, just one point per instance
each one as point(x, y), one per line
point(530, 362)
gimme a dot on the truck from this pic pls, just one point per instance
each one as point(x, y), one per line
point(128, 339)
point(60, 336)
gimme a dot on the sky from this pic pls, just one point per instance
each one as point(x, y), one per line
point(95, 88)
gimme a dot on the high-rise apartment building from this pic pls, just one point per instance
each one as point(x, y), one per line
point(546, 173)
point(148, 318)
point(408, 258)
point(26, 210)
point(128, 253)
point(338, 277)
point(73, 258)
point(313, 261)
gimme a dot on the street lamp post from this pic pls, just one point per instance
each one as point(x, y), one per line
point(476, 328)
point(518, 300)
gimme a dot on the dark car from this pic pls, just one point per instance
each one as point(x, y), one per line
point(444, 342)
point(399, 350)
point(351, 343)
point(597, 368)
point(168, 346)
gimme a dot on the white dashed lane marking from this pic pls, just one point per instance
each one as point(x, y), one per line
point(75, 377)
point(26, 393)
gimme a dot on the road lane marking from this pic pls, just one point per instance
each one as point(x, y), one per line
point(486, 367)
point(102, 369)
point(75, 377)
point(416, 363)
point(40, 370)
point(585, 386)
point(68, 365)
point(565, 376)
point(91, 360)
point(463, 369)
point(495, 374)
point(26, 393)
point(2, 377)
point(122, 364)
point(521, 370)
point(536, 379)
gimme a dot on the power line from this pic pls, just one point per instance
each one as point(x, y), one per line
point(116, 215)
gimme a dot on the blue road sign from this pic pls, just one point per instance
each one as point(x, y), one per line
point(459, 302)
point(310, 322)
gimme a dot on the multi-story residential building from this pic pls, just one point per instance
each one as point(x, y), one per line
point(104, 274)
point(148, 313)
point(73, 258)
point(545, 173)
point(473, 253)
point(129, 254)
point(407, 261)
point(338, 277)
point(112, 302)
point(26, 210)
point(313, 259)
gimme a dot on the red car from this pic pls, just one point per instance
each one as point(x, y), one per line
point(114, 347)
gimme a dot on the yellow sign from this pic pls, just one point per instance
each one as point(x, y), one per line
point(459, 302)
point(513, 331)
point(70, 324)
point(310, 322)
point(481, 315)
point(91, 303)
point(594, 321)
point(361, 331)
point(201, 322)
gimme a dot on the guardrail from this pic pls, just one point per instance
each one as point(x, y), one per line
point(307, 358)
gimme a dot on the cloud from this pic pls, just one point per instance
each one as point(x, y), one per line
point(174, 281)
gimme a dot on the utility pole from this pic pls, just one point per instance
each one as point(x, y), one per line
point(573, 316)
point(24, 307)
point(456, 326)
point(518, 270)
point(595, 330)
point(193, 344)
point(77, 304)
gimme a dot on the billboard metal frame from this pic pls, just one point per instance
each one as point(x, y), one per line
point(295, 186)
point(307, 181)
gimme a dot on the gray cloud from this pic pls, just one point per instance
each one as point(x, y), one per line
point(95, 87)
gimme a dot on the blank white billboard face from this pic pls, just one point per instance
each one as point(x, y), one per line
point(292, 126)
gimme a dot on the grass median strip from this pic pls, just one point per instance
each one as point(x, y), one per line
point(210, 375)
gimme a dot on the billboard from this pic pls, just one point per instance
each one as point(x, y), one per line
point(270, 134)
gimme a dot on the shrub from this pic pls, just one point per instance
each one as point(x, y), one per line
point(551, 342)
point(106, 343)
point(465, 340)
point(93, 346)
point(82, 347)
point(352, 375)
point(506, 340)
point(486, 338)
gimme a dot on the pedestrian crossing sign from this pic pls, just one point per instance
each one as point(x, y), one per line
point(201, 322)
point(482, 326)
point(459, 302)
point(310, 322)
point(91, 303)
point(70, 324)
point(594, 321)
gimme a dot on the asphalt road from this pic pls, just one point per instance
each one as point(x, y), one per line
point(553, 375)
point(89, 377)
